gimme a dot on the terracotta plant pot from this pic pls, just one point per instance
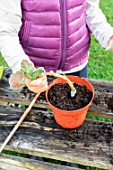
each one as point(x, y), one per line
point(74, 118)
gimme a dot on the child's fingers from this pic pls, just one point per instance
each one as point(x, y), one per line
point(38, 85)
point(42, 75)
point(38, 82)
point(37, 90)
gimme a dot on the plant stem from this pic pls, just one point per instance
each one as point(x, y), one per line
point(63, 77)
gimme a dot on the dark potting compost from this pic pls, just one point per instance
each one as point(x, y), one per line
point(60, 96)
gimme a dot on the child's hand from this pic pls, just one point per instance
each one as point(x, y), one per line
point(110, 44)
point(38, 85)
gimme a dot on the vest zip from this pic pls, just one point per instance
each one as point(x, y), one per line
point(64, 33)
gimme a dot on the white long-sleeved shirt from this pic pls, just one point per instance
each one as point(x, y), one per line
point(10, 23)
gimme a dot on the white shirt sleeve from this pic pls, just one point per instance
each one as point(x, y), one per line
point(10, 23)
point(97, 23)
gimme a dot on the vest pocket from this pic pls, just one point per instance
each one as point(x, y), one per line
point(24, 33)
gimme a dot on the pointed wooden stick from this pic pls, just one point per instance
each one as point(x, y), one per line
point(19, 122)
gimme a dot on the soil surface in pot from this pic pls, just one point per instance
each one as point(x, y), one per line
point(59, 96)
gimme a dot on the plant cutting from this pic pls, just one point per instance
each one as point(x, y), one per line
point(28, 70)
point(17, 80)
point(1, 70)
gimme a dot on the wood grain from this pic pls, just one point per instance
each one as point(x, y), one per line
point(39, 135)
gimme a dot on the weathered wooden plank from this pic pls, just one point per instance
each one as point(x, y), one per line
point(3, 103)
point(101, 114)
point(66, 151)
point(18, 163)
point(99, 85)
point(91, 144)
point(103, 99)
point(16, 100)
point(98, 108)
point(102, 85)
point(102, 102)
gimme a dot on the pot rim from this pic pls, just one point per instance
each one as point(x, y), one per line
point(71, 111)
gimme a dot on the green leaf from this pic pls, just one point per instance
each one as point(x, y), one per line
point(16, 80)
point(27, 68)
point(33, 75)
point(1, 71)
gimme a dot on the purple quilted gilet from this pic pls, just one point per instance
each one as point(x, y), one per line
point(54, 33)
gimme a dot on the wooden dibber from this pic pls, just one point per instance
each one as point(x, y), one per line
point(19, 122)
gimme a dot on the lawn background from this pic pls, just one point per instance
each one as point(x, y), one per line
point(100, 61)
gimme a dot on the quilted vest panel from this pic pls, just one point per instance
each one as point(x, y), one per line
point(54, 33)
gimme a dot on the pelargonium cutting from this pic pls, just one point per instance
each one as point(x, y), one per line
point(28, 70)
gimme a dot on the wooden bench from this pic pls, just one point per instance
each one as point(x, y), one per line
point(40, 137)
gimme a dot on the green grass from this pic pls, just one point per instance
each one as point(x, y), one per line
point(101, 61)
